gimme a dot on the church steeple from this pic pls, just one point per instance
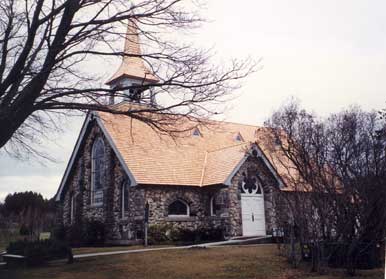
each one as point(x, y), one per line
point(132, 70)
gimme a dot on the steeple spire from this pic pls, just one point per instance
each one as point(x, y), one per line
point(132, 67)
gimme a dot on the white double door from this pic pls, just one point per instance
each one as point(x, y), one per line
point(253, 215)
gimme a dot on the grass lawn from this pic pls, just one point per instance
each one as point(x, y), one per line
point(257, 262)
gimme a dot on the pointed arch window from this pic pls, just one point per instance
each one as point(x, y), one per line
point(72, 208)
point(213, 206)
point(124, 199)
point(97, 171)
point(178, 208)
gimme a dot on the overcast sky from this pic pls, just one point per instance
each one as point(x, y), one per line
point(329, 54)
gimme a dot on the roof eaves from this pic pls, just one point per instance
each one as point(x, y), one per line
point(146, 78)
point(72, 158)
point(228, 180)
point(270, 166)
point(133, 181)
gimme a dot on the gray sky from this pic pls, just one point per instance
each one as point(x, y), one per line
point(329, 54)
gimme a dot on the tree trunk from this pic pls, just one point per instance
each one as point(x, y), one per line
point(10, 123)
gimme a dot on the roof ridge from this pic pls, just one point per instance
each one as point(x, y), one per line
point(203, 168)
point(226, 147)
point(236, 123)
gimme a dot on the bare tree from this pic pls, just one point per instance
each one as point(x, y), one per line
point(338, 168)
point(45, 44)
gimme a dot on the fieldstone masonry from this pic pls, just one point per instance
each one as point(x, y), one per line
point(128, 227)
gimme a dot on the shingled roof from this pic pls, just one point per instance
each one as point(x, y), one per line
point(188, 160)
point(210, 158)
point(183, 160)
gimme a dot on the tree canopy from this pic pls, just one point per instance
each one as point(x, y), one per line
point(45, 45)
point(18, 203)
point(342, 160)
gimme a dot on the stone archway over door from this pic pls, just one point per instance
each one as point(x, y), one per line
point(252, 209)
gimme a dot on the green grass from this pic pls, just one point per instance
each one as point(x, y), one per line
point(258, 262)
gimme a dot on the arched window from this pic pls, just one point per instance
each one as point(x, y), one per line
point(72, 208)
point(178, 208)
point(124, 198)
point(212, 206)
point(251, 185)
point(97, 171)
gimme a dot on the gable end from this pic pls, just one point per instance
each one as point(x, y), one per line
point(82, 135)
point(256, 152)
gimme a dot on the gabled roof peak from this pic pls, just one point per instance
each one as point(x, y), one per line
point(239, 137)
point(196, 132)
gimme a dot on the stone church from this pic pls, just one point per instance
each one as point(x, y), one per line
point(220, 175)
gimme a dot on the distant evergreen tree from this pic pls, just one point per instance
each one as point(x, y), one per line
point(30, 210)
point(17, 203)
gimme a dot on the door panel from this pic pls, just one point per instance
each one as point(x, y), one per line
point(253, 215)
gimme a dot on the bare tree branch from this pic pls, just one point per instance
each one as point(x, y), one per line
point(46, 44)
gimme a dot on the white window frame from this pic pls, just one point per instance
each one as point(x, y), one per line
point(211, 206)
point(182, 215)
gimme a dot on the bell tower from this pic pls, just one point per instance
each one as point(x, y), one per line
point(132, 71)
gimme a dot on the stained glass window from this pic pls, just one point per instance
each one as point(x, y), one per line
point(98, 171)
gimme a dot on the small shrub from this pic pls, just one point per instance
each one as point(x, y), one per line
point(188, 236)
point(24, 230)
point(212, 234)
point(59, 232)
point(74, 235)
point(201, 235)
point(58, 249)
point(94, 233)
point(17, 247)
point(161, 234)
point(36, 253)
point(365, 255)
point(40, 251)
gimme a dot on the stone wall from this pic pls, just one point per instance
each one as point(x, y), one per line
point(255, 166)
point(79, 185)
point(198, 199)
point(129, 227)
